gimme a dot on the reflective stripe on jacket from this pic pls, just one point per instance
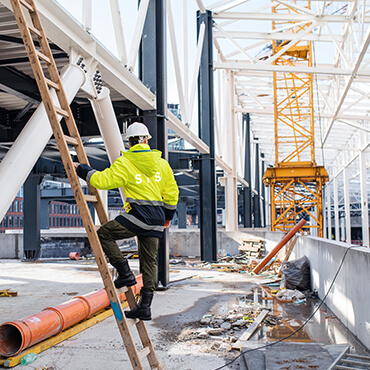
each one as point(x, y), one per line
point(149, 185)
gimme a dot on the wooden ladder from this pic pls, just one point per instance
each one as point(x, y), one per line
point(38, 59)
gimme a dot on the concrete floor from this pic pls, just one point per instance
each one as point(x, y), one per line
point(175, 311)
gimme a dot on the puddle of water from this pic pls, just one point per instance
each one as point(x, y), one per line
point(324, 327)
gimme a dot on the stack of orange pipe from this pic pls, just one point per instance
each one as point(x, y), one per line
point(16, 336)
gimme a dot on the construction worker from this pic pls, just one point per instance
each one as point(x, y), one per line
point(152, 195)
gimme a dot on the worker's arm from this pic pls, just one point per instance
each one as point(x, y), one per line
point(111, 178)
point(170, 194)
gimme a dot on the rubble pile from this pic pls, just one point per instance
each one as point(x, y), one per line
point(220, 331)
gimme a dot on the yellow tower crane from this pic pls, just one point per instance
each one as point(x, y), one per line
point(295, 180)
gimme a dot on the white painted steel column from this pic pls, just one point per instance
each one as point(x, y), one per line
point(268, 208)
point(231, 196)
point(108, 126)
point(104, 199)
point(87, 14)
point(364, 202)
point(27, 148)
point(329, 211)
point(336, 209)
point(347, 210)
point(324, 214)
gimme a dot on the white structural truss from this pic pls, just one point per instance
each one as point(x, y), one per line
point(243, 72)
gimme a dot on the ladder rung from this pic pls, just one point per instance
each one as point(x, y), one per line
point(34, 30)
point(143, 353)
point(43, 57)
point(124, 289)
point(359, 356)
point(340, 367)
point(26, 5)
point(70, 140)
point(90, 198)
point(351, 362)
point(52, 84)
point(132, 322)
point(61, 111)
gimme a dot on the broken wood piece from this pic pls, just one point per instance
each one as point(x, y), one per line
point(7, 293)
point(251, 329)
point(222, 264)
point(280, 245)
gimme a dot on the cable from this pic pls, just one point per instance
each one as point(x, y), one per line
point(304, 324)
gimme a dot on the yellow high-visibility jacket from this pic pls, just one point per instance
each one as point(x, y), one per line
point(149, 185)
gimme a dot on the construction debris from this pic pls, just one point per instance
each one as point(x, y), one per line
point(249, 332)
point(252, 247)
point(250, 256)
point(8, 293)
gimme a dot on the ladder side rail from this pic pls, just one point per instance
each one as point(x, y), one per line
point(76, 187)
point(142, 330)
point(70, 122)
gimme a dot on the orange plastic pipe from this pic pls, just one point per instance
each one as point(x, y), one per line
point(280, 245)
point(16, 336)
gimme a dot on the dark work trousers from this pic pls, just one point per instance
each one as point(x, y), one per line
point(148, 249)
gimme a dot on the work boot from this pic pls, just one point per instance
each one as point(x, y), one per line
point(142, 310)
point(125, 275)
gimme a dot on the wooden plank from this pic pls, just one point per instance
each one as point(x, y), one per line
point(251, 329)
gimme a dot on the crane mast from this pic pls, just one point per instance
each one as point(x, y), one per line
point(295, 180)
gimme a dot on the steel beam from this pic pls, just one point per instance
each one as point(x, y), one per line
point(364, 200)
point(247, 199)
point(256, 197)
point(325, 70)
point(231, 197)
point(65, 32)
point(31, 217)
point(152, 61)
point(290, 17)
point(328, 193)
point(181, 214)
point(347, 212)
point(355, 71)
point(336, 210)
point(207, 174)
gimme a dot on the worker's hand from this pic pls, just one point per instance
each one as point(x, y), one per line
point(167, 224)
point(82, 170)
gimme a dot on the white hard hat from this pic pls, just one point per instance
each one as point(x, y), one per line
point(137, 129)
